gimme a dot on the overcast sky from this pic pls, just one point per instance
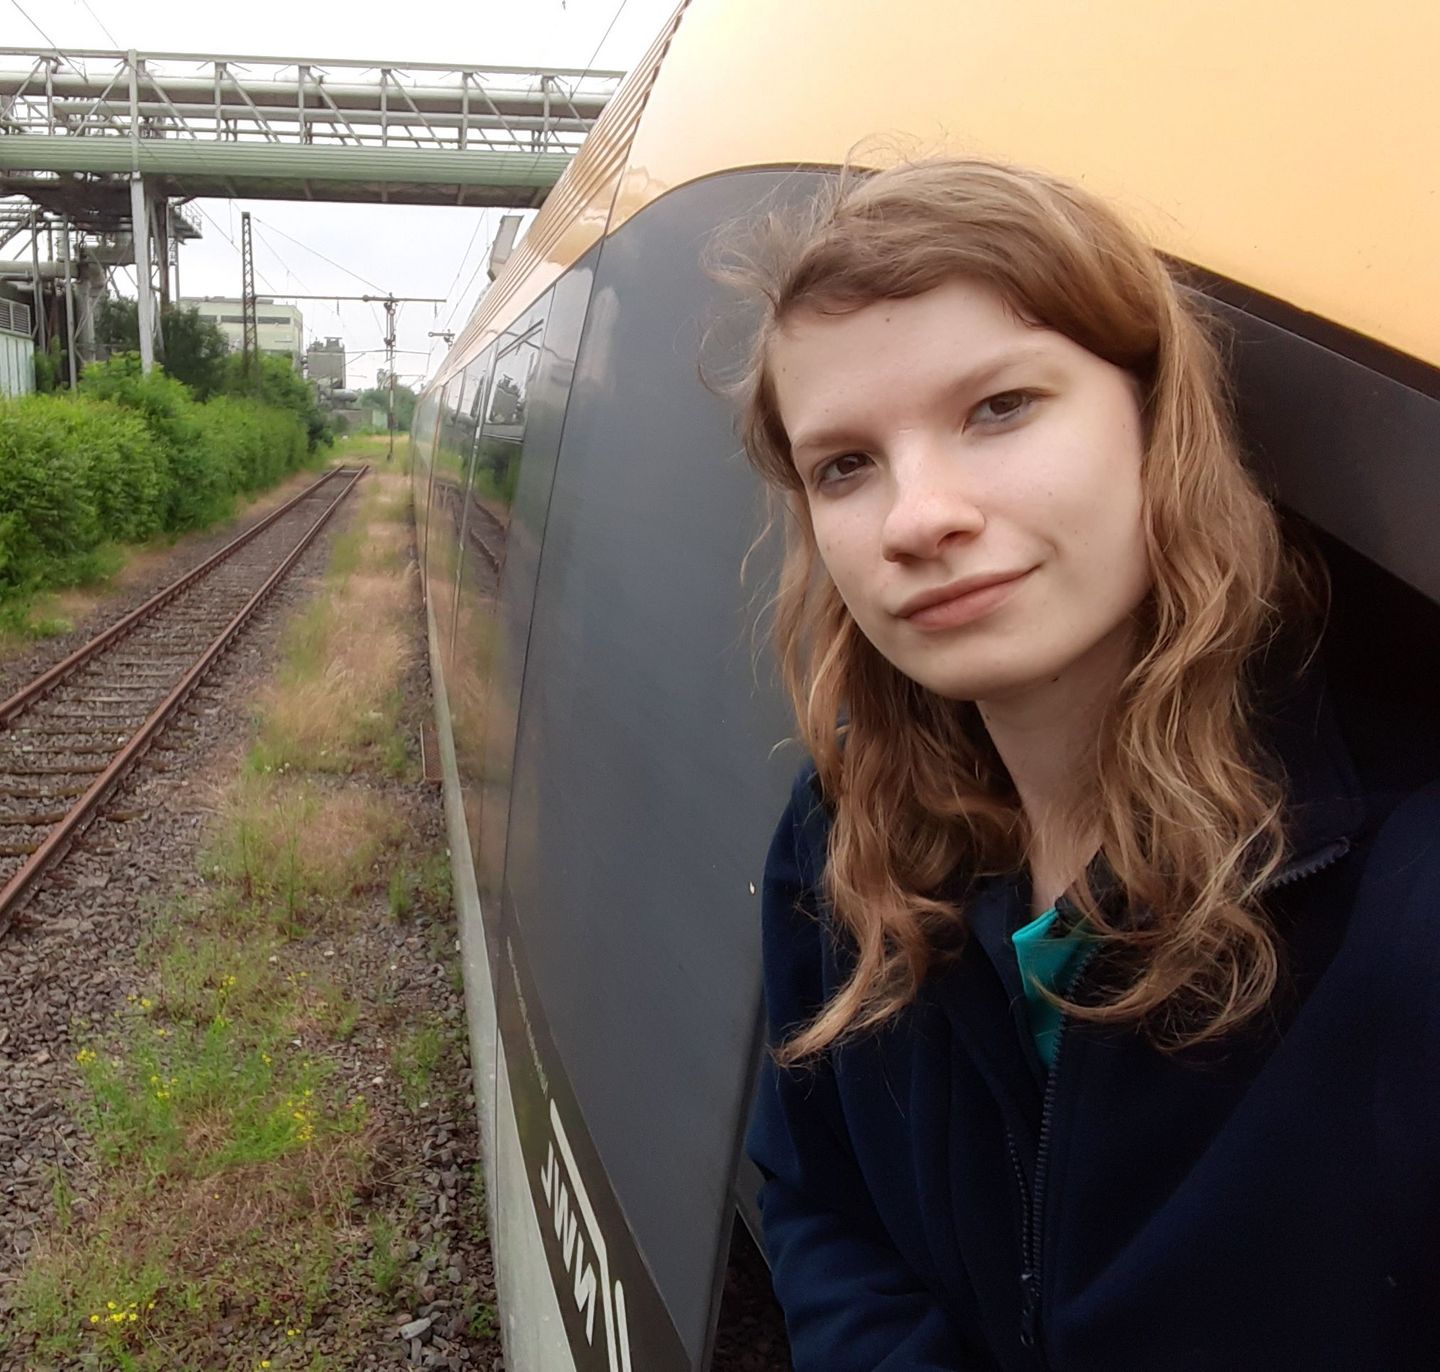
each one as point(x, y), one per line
point(402, 249)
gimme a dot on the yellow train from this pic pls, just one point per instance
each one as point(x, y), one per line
point(610, 760)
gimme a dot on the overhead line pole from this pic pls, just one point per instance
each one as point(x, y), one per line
point(390, 376)
point(390, 302)
point(250, 345)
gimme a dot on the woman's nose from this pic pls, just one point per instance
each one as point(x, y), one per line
point(929, 505)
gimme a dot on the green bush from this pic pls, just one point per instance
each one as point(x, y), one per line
point(257, 443)
point(280, 386)
point(202, 480)
point(128, 474)
point(127, 457)
point(48, 513)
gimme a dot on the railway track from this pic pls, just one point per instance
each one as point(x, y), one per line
point(479, 527)
point(70, 737)
point(482, 528)
point(496, 532)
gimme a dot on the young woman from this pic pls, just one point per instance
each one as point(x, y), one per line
point(1103, 989)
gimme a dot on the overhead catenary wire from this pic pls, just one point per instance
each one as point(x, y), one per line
point(289, 271)
point(540, 151)
point(284, 265)
point(78, 70)
point(480, 221)
point(339, 266)
point(466, 289)
point(613, 19)
point(101, 22)
point(37, 27)
point(218, 229)
point(589, 65)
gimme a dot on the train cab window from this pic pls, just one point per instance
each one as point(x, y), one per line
point(497, 468)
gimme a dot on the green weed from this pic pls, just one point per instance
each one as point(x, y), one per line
point(386, 1261)
point(336, 1013)
point(345, 554)
point(188, 1101)
point(415, 1059)
point(398, 894)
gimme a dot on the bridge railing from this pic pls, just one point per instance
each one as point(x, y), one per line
point(295, 100)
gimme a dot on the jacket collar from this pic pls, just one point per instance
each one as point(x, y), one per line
point(1325, 808)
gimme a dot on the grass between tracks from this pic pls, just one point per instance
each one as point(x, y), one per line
point(245, 1182)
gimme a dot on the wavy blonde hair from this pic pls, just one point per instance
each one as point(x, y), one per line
point(1189, 807)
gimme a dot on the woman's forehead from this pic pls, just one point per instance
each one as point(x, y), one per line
point(823, 364)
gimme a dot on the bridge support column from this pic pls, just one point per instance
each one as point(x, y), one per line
point(69, 284)
point(140, 231)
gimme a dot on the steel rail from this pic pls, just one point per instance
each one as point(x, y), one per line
point(57, 842)
point(66, 666)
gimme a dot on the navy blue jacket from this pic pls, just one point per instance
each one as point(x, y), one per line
point(934, 1201)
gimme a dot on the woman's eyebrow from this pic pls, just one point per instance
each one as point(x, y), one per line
point(987, 370)
point(847, 434)
point(827, 440)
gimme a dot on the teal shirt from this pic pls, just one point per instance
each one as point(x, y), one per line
point(1048, 959)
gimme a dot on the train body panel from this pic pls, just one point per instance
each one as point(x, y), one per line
point(1276, 145)
point(583, 511)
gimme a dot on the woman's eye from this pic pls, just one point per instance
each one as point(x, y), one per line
point(997, 409)
point(839, 468)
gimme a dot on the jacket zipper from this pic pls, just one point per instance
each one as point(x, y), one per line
point(1032, 1199)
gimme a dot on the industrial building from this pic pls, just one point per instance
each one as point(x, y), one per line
point(325, 363)
point(17, 367)
point(279, 328)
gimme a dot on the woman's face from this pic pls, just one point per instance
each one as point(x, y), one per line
point(973, 485)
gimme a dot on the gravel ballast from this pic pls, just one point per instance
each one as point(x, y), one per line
point(72, 963)
point(69, 966)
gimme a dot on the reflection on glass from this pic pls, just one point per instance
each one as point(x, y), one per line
point(454, 438)
point(497, 465)
point(479, 650)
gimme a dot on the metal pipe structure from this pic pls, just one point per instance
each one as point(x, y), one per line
point(507, 101)
point(196, 159)
point(309, 102)
point(307, 118)
point(59, 55)
point(13, 269)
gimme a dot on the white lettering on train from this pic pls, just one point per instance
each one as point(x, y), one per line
point(565, 1221)
point(570, 1209)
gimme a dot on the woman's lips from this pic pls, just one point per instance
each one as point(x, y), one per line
point(965, 606)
